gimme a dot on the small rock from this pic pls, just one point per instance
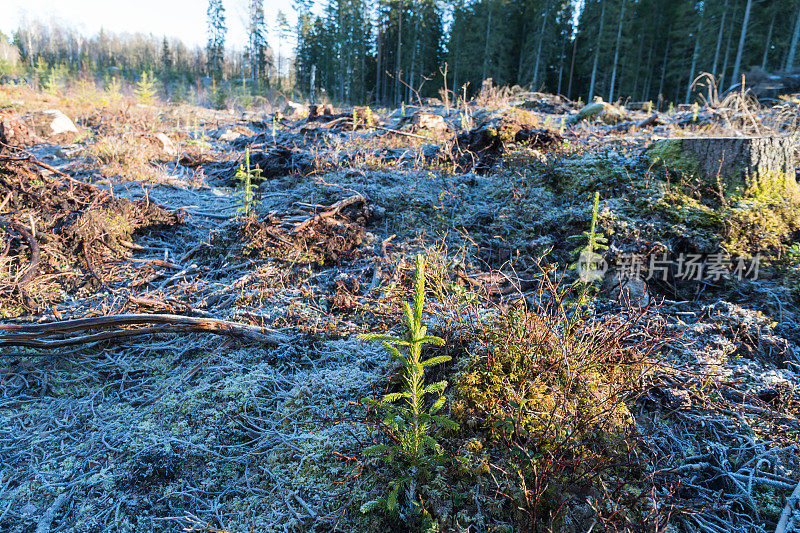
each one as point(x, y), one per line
point(626, 290)
point(167, 146)
point(53, 125)
point(295, 110)
point(29, 509)
point(69, 151)
point(229, 136)
point(378, 212)
point(599, 110)
point(14, 132)
point(539, 244)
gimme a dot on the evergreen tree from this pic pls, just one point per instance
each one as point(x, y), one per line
point(166, 59)
point(305, 53)
point(742, 40)
point(216, 38)
point(284, 30)
point(257, 41)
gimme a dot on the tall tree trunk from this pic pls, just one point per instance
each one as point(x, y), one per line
point(767, 45)
point(742, 38)
point(363, 93)
point(616, 52)
point(414, 45)
point(649, 81)
point(343, 71)
point(597, 50)
point(379, 59)
point(664, 65)
point(522, 51)
point(638, 67)
point(539, 47)
point(572, 66)
point(727, 52)
point(399, 51)
point(486, 47)
point(793, 46)
point(719, 39)
point(561, 63)
point(694, 57)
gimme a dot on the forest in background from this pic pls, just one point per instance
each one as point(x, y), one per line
point(387, 52)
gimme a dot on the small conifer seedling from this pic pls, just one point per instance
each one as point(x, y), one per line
point(414, 450)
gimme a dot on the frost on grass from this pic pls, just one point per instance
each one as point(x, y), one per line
point(242, 442)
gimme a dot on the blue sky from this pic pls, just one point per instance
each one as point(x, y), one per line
point(184, 19)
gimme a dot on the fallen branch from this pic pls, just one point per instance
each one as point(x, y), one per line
point(331, 211)
point(406, 133)
point(41, 335)
point(49, 168)
point(791, 501)
point(47, 519)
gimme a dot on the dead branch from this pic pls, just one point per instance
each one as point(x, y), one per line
point(331, 211)
point(41, 335)
point(47, 519)
point(45, 166)
point(791, 501)
point(406, 133)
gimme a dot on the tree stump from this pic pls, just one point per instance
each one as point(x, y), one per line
point(738, 165)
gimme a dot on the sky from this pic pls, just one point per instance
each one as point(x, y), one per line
point(183, 19)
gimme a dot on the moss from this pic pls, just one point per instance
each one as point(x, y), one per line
point(679, 208)
point(772, 185)
point(670, 153)
point(590, 172)
point(759, 225)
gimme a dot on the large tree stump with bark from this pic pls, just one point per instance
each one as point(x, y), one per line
point(738, 165)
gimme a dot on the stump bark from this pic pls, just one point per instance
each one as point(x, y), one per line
point(739, 165)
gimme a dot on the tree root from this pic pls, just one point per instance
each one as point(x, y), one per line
point(54, 334)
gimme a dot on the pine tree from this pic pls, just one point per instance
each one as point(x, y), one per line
point(616, 52)
point(166, 59)
point(216, 38)
point(695, 53)
point(719, 38)
point(597, 49)
point(304, 43)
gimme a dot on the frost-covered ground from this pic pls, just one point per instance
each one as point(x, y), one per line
point(192, 430)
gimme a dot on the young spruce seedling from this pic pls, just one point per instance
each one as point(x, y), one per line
point(414, 450)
